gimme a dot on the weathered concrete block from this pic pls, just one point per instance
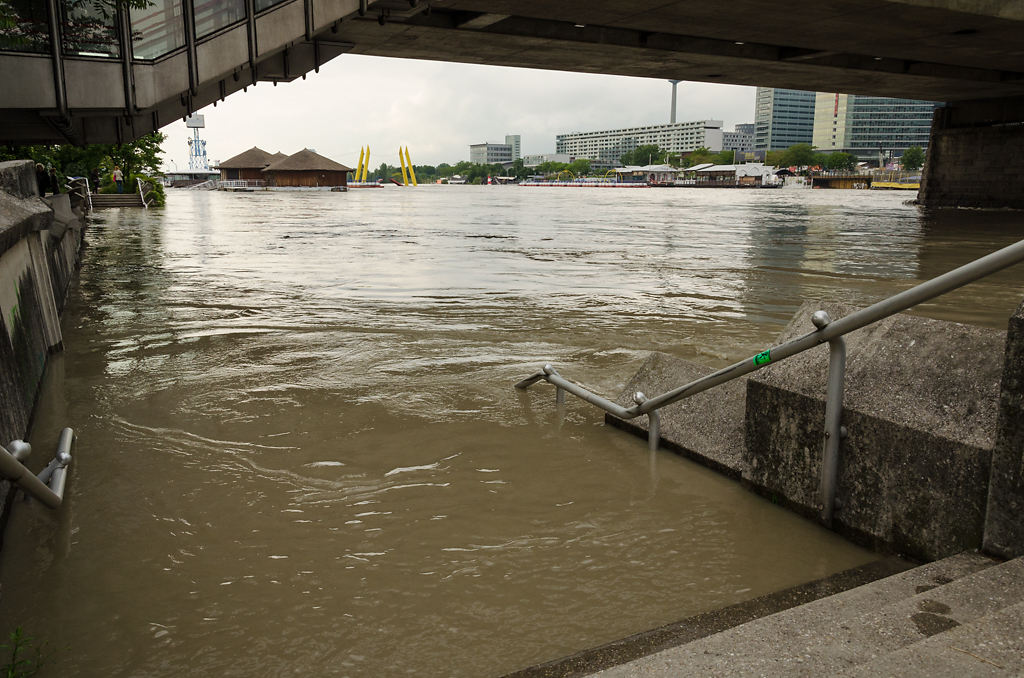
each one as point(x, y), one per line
point(63, 216)
point(1004, 527)
point(707, 427)
point(18, 178)
point(920, 407)
point(21, 216)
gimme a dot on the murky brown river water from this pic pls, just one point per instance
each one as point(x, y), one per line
point(300, 453)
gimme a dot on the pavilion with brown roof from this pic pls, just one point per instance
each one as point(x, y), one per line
point(247, 165)
point(306, 168)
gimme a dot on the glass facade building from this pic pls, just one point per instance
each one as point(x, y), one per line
point(783, 118)
point(872, 128)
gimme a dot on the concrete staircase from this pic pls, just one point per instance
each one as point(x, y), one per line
point(960, 616)
point(109, 200)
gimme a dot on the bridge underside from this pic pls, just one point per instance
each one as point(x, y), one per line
point(942, 50)
point(945, 50)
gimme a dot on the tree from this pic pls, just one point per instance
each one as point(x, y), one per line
point(775, 158)
point(725, 158)
point(138, 157)
point(839, 161)
point(699, 156)
point(800, 155)
point(649, 154)
point(913, 158)
point(580, 167)
point(550, 167)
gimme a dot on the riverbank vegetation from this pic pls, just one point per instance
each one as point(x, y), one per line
point(95, 161)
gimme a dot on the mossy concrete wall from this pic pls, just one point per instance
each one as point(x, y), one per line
point(39, 246)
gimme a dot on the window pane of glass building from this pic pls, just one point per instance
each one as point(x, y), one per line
point(213, 15)
point(157, 29)
point(89, 27)
point(264, 4)
point(24, 26)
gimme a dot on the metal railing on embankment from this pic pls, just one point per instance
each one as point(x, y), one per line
point(48, 486)
point(144, 190)
point(828, 330)
point(79, 186)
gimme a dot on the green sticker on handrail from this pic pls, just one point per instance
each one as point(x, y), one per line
point(763, 358)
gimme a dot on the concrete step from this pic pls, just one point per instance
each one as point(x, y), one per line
point(842, 631)
point(992, 645)
point(108, 200)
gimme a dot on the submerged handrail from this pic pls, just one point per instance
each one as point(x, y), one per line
point(142, 193)
point(48, 486)
point(828, 331)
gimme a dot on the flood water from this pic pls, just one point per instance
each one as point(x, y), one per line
point(300, 453)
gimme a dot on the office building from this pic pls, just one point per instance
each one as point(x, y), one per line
point(541, 158)
point(783, 118)
point(490, 154)
point(875, 129)
point(741, 139)
point(513, 140)
point(604, 148)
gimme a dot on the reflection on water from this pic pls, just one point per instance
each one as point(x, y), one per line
point(300, 452)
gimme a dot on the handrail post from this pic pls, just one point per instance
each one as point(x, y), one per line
point(833, 420)
point(653, 423)
point(15, 471)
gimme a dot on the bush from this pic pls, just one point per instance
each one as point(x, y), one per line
point(156, 195)
point(24, 656)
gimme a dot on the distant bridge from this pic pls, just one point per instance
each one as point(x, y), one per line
point(104, 73)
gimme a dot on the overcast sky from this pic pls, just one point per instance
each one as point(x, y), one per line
point(438, 109)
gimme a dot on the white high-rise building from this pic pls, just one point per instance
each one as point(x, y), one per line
point(606, 147)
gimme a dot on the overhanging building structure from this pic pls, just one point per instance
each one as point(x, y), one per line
point(606, 147)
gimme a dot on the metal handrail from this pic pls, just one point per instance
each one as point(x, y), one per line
point(208, 185)
point(142, 193)
point(48, 486)
point(242, 183)
point(828, 330)
point(77, 186)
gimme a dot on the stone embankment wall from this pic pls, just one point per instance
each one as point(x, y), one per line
point(933, 463)
point(972, 155)
point(40, 242)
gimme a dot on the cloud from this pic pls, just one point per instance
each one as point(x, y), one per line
point(438, 109)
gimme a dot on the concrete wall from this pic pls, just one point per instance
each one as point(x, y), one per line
point(1004, 527)
point(920, 406)
point(933, 460)
point(975, 156)
point(39, 246)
